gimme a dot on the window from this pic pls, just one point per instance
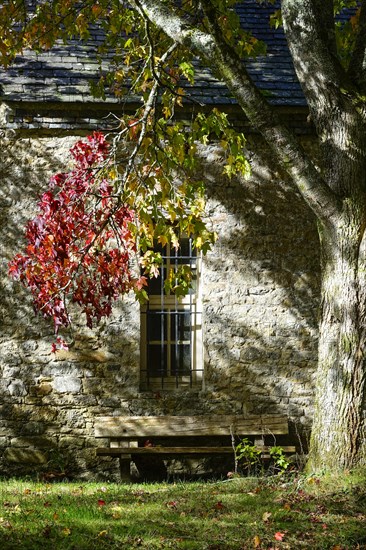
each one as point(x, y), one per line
point(171, 326)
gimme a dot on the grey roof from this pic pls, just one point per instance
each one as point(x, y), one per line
point(64, 73)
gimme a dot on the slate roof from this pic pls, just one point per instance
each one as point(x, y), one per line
point(63, 74)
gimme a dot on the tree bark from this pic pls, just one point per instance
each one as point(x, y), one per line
point(338, 432)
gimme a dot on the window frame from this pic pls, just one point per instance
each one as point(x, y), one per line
point(171, 306)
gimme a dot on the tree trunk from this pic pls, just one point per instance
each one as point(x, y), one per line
point(338, 433)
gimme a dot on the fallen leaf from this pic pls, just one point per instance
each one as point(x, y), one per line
point(256, 541)
point(279, 536)
point(103, 533)
point(66, 532)
point(219, 505)
point(101, 502)
point(287, 506)
point(5, 523)
point(266, 516)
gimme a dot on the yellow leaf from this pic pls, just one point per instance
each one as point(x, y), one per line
point(198, 242)
point(256, 541)
point(162, 240)
point(167, 112)
point(266, 516)
point(103, 533)
point(66, 532)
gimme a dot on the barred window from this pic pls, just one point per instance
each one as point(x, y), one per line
point(171, 326)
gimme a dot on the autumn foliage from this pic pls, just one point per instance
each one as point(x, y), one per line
point(80, 246)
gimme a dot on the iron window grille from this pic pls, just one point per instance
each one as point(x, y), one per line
point(171, 326)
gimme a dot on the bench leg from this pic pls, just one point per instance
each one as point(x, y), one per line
point(125, 469)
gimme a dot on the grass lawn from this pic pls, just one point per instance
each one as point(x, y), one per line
point(242, 513)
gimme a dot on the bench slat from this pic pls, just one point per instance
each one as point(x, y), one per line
point(194, 426)
point(107, 451)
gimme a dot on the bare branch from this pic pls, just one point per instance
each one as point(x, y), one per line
point(148, 109)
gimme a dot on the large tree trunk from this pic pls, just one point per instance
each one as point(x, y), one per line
point(338, 433)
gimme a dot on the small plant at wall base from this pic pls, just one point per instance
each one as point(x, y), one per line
point(280, 461)
point(248, 456)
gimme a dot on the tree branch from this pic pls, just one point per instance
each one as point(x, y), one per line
point(324, 11)
point(319, 71)
point(226, 64)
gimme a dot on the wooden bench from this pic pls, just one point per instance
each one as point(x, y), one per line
point(131, 436)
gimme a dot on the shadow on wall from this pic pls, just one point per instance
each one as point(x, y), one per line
point(264, 286)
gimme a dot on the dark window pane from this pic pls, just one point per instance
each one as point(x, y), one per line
point(156, 361)
point(156, 325)
point(154, 285)
point(184, 254)
point(180, 326)
point(181, 359)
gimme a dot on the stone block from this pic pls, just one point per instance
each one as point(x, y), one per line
point(31, 441)
point(17, 388)
point(33, 428)
point(25, 456)
point(70, 442)
point(42, 389)
point(63, 384)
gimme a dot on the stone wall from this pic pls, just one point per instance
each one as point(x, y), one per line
point(260, 296)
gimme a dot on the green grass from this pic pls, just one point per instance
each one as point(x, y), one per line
point(305, 512)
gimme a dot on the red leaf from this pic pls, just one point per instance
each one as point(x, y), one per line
point(101, 502)
point(219, 505)
point(279, 536)
point(71, 251)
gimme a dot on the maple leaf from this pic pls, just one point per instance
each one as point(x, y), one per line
point(279, 536)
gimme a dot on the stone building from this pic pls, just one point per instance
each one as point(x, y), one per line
point(253, 346)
